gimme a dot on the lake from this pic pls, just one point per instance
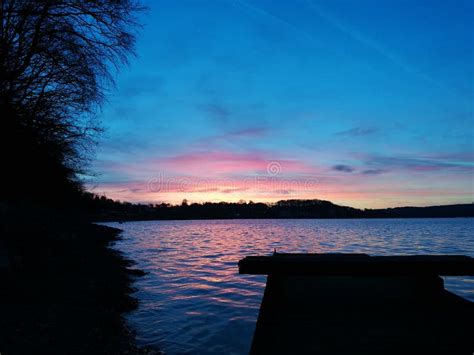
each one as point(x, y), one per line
point(194, 301)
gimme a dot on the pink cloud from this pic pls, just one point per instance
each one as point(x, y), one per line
point(226, 162)
point(212, 175)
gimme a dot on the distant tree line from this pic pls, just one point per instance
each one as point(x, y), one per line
point(101, 208)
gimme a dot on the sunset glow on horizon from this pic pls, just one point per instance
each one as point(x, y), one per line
point(355, 102)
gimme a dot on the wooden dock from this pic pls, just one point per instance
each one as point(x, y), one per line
point(358, 304)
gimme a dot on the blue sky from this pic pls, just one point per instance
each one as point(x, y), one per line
point(364, 103)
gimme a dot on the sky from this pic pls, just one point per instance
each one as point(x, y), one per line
point(364, 103)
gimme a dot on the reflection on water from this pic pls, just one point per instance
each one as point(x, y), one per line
point(194, 301)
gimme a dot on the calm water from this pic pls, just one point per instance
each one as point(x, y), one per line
point(194, 301)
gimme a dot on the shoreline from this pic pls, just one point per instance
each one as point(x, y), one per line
point(65, 290)
point(120, 221)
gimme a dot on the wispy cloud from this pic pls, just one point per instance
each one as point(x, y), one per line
point(357, 131)
point(249, 132)
point(216, 111)
point(373, 171)
point(369, 42)
point(138, 86)
point(244, 133)
point(343, 168)
point(421, 164)
point(233, 190)
point(268, 15)
point(283, 192)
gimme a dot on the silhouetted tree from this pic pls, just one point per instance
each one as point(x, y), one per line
point(56, 61)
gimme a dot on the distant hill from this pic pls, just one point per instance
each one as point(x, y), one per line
point(103, 209)
point(462, 210)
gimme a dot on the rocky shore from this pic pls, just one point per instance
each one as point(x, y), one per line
point(63, 290)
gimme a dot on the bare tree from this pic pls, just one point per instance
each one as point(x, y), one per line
point(57, 58)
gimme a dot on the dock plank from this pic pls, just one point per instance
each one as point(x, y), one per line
point(358, 264)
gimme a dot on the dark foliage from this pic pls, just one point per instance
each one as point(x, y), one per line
point(55, 65)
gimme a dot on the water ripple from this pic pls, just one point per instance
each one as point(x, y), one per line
point(194, 301)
